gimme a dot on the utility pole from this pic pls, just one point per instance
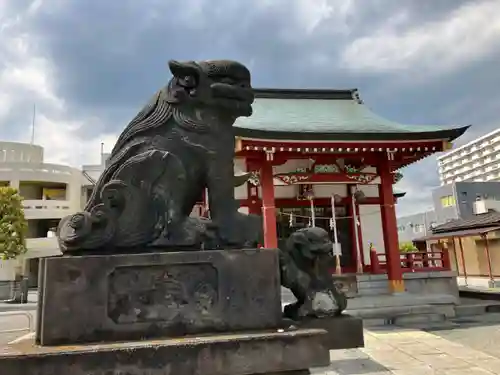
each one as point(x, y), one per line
point(33, 125)
point(103, 161)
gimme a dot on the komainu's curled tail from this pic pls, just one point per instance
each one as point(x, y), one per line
point(135, 206)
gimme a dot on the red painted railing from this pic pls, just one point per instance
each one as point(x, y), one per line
point(421, 261)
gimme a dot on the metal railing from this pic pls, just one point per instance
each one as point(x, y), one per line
point(18, 313)
point(420, 261)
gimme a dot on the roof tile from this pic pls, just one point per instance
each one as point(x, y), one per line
point(491, 218)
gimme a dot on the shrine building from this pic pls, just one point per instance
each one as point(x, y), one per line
point(308, 151)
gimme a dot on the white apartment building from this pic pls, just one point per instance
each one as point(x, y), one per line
point(50, 192)
point(478, 161)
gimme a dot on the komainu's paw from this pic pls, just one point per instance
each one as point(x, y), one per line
point(318, 304)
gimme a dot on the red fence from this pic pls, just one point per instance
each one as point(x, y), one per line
point(421, 261)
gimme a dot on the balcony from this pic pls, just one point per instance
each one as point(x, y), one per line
point(42, 247)
point(46, 209)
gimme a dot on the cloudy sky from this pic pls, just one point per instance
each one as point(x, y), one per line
point(89, 65)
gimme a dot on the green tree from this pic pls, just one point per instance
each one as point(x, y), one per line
point(13, 225)
point(407, 247)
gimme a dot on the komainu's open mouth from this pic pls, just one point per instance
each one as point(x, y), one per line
point(232, 92)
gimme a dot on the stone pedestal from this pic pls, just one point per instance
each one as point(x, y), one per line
point(134, 296)
point(343, 332)
point(231, 354)
point(182, 313)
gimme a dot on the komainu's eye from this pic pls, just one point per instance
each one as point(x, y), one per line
point(188, 81)
point(227, 81)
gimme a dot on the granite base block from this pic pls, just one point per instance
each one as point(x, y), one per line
point(343, 332)
point(105, 298)
point(5, 290)
point(232, 354)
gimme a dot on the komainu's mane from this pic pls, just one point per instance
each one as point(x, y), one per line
point(156, 113)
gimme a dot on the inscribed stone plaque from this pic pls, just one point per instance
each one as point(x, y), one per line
point(174, 294)
point(134, 296)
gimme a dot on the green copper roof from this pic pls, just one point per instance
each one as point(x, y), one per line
point(327, 115)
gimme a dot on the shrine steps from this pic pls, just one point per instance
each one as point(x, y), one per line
point(402, 308)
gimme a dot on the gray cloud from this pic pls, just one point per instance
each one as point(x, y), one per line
point(91, 64)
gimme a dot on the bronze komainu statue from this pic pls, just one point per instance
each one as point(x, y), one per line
point(180, 143)
point(304, 270)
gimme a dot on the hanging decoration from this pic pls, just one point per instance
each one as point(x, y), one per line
point(357, 196)
point(310, 196)
point(336, 248)
point(313, 213)
point(397, 176)
point(254, 178)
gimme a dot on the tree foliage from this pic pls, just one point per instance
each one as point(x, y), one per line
point(407, 247)
point(13, 225)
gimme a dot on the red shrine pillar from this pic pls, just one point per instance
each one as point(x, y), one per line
point(268, 208)
point(389, 227)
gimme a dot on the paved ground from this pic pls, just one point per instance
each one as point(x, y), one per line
point(17, 321)
point(480, 333)
point(472, 347)
point(412, 352)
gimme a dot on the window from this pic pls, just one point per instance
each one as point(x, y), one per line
point(448, 201)
point(418, 228)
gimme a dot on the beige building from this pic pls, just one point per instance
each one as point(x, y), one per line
point(50, 192)
point(473, 244)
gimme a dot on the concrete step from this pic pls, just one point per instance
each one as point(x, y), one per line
point(479, 308)
point(372, 291)
point(470, 310)
point(376, 322)
point(416, 321)
point(373, 284)
point(390, 312)
point(403, 300)
point(413, 319)
point(431, 326)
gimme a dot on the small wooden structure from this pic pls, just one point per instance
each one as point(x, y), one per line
point(473, 244)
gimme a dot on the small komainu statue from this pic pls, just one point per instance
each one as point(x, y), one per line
point(180, 143)
point(304, 270)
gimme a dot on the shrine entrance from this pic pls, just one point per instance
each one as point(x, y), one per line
point(329, 137)
point(290, 219)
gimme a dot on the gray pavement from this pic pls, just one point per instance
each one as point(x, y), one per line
point(471, 347)
point(15, 321)
point(480, 333)
point(412, 352)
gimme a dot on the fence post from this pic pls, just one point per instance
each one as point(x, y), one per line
point(410, 259)
point(374, 261)
point(445, 259)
